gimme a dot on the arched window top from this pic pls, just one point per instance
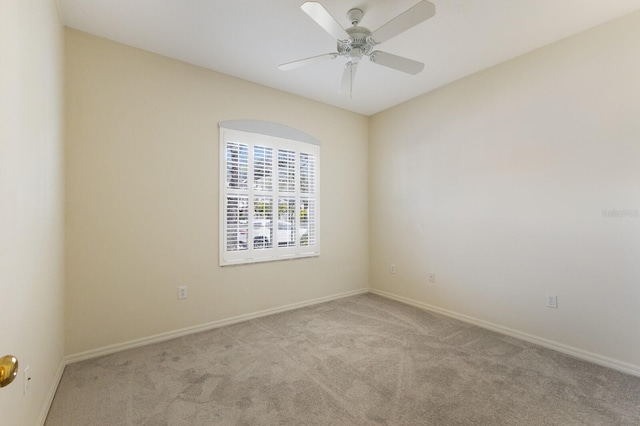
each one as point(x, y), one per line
point(269, 128)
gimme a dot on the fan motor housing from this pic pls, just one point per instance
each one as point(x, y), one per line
point(359, 36)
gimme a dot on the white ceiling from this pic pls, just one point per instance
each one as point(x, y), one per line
point(249, 38)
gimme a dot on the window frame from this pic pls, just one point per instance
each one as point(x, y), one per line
point(277, 137)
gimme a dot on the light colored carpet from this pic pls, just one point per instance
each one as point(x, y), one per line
point(355, 361)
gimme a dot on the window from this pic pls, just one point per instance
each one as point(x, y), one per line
point(269, 193)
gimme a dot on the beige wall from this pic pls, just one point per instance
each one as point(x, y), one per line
point(31, 204)
point(142, 196)
point(497, 183)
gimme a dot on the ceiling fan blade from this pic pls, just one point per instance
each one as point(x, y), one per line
point(347, 78)
point(407, 19)
point(302, 62)
point(323, 18)
point(396, 62)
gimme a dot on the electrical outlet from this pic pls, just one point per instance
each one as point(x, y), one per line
point(432, 278)
point(182, 292)
point(27, 379)
point(552, 301)
point(393, 268)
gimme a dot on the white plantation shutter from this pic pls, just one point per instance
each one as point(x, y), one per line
point(270, 194)
point(308, 214)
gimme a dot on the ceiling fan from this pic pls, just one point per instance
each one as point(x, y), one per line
point(356, 42)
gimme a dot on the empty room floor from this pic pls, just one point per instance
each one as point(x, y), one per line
point(355, 361)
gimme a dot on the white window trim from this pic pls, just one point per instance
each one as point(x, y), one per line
point(282, 137)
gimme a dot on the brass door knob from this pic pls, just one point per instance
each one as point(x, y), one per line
point(8, 369)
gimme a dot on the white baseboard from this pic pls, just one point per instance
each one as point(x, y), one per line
point(559, 347)
point(51, 394)
point(94, 353)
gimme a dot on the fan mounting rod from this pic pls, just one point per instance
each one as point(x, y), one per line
point(355, 16)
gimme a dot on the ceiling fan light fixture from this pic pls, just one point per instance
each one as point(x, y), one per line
point(355, 55)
